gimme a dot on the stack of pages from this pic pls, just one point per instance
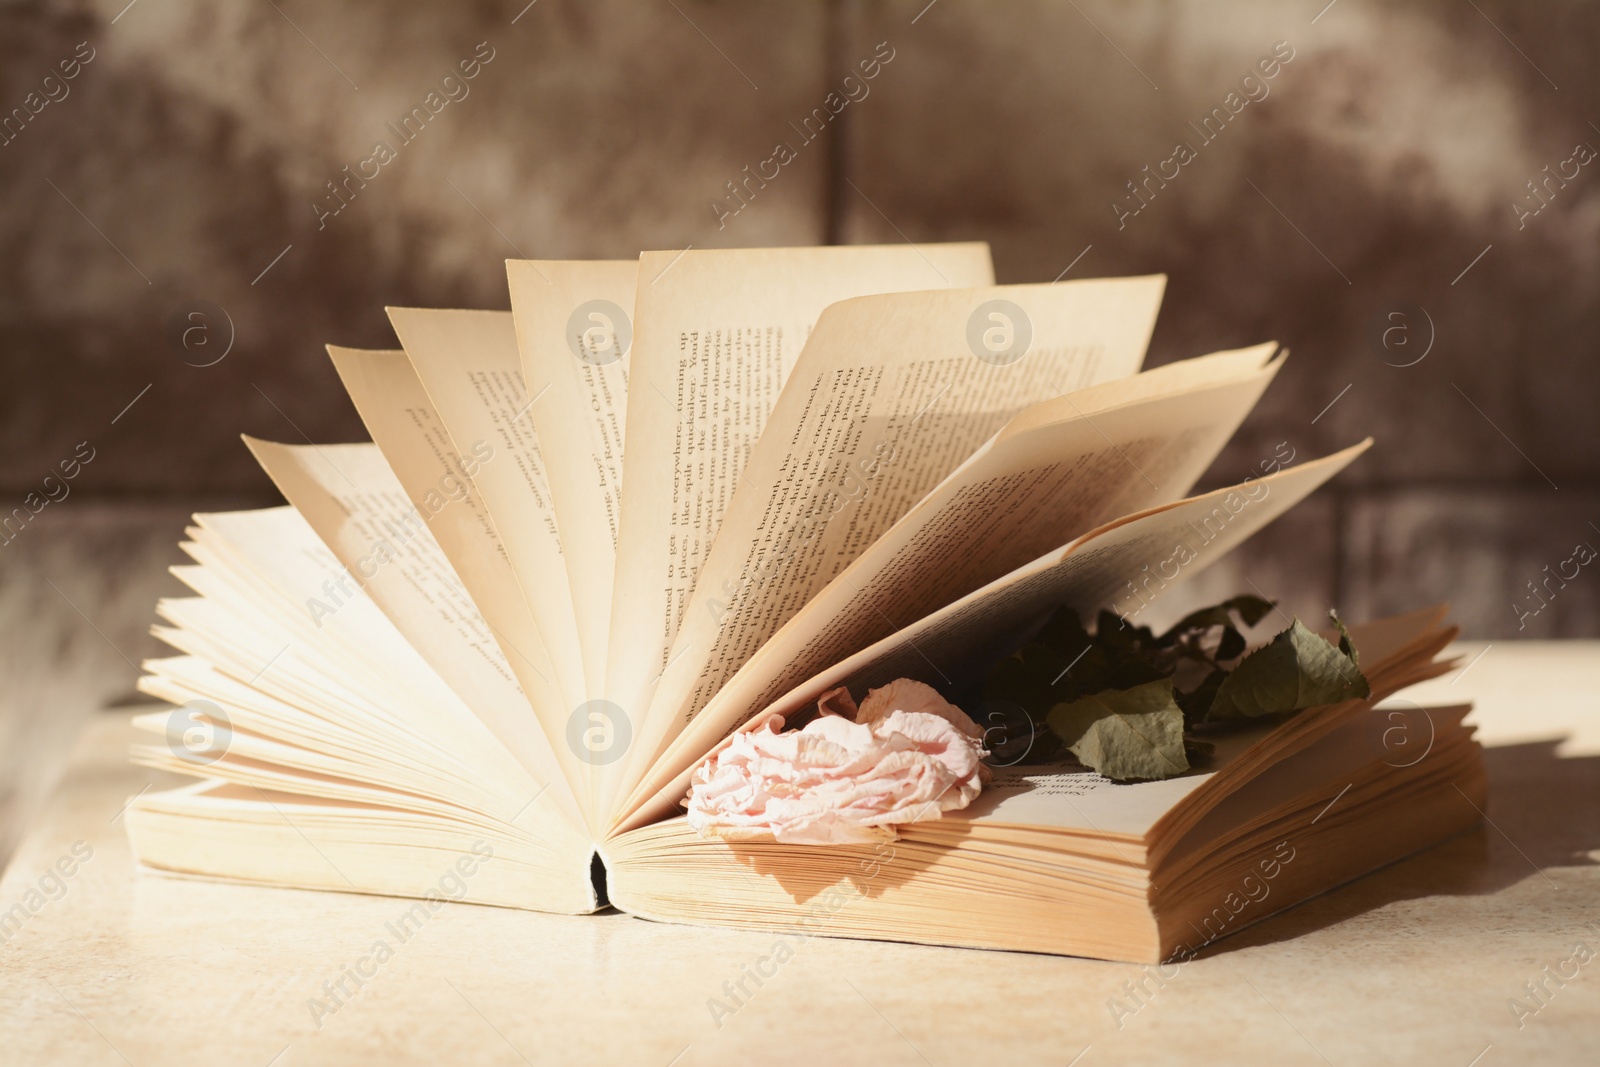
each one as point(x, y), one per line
point(661, 499)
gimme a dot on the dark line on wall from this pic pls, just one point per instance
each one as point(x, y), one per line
point(1341, 538)
point(209, 499)
point(225, 497)
point(1463, 485)
point(836, 37)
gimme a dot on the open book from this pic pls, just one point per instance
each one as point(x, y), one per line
point(661, 499)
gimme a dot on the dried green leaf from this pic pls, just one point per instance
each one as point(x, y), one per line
point(1250, 609)
point(1125, 734)
point(1197, 702)
point(1347, 646)
point(1064, 630)
point(1231, 645)
point(1067, 663)
point(1116, 633)
point(1298, 669)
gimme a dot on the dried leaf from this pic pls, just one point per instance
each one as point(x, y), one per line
point(1347, 646)
point(1231, 645)
point(1198, 749)
point(1053, 692)
point(1250, 609)
point(1298, 669)
point(1125, 734)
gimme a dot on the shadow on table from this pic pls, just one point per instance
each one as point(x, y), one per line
point(806, 872)
point(1543, 813)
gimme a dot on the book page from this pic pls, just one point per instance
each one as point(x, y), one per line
point(272, 572)
point(889, 396)
point(1072, 797)
point(1059, 468)
point(1068, 796)
point(1126, 565)
point(1355, 742)
point(469, 365)
point(716, 333)
point(290, 622)
point(574, 321)
point(243, 834)
point(438, 480)
point(354, 502)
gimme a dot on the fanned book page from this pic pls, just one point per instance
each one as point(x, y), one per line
point(660, 505)
point(1070, 462)
point(716, 334)
point(438, 480)
point(574, 324)
point(346, 684)
point(889, 396)
point(469, 364)
point(1096, 569)
point(351, 498)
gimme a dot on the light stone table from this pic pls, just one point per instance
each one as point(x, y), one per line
point(1418, 963)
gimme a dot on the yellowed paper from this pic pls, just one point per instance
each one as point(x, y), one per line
point(438, 479)
point(286, 640)
point(469, 365)
point(352, 499)
point(574, 321)
point(1127, 564)
point(890, 395)
point(716, 333)
point(1061, 466)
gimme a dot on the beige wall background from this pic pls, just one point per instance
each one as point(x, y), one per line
point(1364, 211)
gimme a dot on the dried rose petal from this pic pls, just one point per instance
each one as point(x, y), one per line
point(838, 702)
point(908, 756)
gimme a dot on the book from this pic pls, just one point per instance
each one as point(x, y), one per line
point(660, 501)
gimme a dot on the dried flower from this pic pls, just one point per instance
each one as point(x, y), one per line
point(850, 775)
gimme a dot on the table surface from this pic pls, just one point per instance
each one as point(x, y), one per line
point(1419, 963)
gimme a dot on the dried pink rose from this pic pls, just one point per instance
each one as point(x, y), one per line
point(908, 756)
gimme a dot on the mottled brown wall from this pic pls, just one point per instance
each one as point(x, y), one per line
point(1384, 161)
